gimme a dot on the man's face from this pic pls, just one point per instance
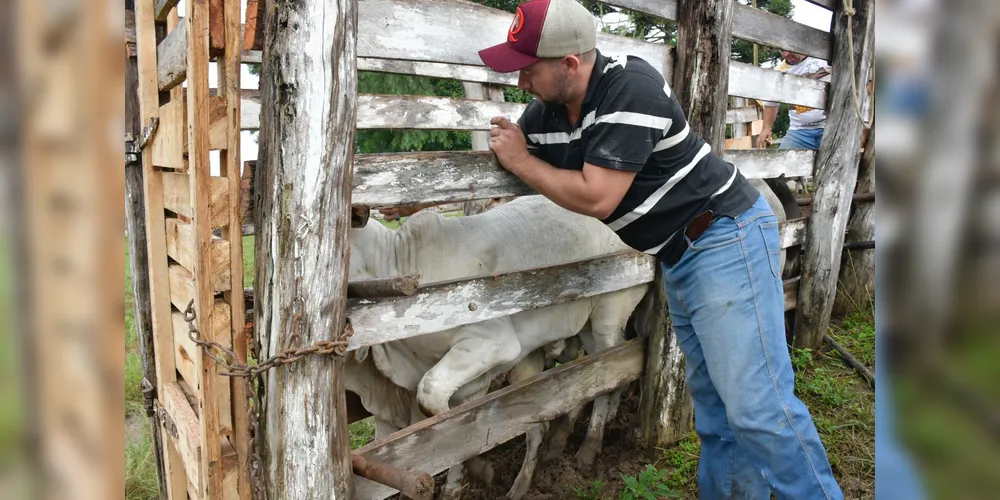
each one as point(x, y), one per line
point(791, 57)
point(546, 80)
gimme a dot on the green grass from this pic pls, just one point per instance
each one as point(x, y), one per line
point(140, 470)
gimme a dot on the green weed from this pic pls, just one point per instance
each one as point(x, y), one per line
point(592, 492)
point(649, 485)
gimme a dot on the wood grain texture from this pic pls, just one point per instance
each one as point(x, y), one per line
point(666, 410)
point(253, 33)
point(765, 28)
point(704, 44)
point(200, 185)
point(171, 58)
point(304, 179)
point(224, 117)
point(437, 307)
point(216, 27)
point(426, 31)
point(437, 113)
point(159, 292)
point(835, 178)
point(793, 232)
point(135, 220)
point(162, 8)
point(747, 80)
point(856, 283)
point(461, 72)
point(177, 197)
point(186, 425)
point(755, 25)
point(741, 115)
point(181, 246)
point(400, 179)
point(168, 145)
point(436, 443)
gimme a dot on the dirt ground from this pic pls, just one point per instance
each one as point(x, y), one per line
point(561, 478)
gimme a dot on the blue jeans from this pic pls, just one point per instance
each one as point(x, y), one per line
point(726, 304)
point(803, 138)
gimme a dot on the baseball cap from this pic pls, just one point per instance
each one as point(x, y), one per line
point(540, 29)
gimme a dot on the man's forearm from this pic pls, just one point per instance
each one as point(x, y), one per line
point(770, 114)
point(567, 188)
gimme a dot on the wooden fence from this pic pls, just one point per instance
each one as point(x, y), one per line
point(203, 415)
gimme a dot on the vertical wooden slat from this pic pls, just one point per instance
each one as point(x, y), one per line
point(197, 19)
point(857, 271)
point(837, 172)
point(229, 159)
point(480, 138)
point(307, 141)
point(159, 293)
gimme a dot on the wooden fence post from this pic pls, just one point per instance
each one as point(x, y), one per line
point(135, 220)
point(480, 138)
point(704, 44)
point(857, 272)
point(304, 179)
point(836, 175)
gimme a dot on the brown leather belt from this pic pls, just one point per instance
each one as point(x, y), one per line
point(693, 231)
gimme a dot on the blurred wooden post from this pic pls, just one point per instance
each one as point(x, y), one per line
point(857, 271)
point(836, 175)
point(135, 220)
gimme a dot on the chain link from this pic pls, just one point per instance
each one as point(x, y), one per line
point(252, 376)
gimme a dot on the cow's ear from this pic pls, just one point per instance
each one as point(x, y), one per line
point(359, 216)
point(361, 354)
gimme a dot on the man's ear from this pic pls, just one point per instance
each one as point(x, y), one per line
point(359, 216)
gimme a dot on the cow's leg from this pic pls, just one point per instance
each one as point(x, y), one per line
point(607, 325)
point(383, 428)
point(478, 468)
point(558, 433)
point(530, 366)
point(478, 348)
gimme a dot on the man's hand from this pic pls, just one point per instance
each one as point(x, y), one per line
point(764, 139)
point(507, 142)
point(397, 212)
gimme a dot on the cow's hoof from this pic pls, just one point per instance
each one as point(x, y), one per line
point(586, 456)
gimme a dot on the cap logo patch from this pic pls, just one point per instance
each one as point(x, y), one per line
point(515, 26)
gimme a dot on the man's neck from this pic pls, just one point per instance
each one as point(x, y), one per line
point(574, 107)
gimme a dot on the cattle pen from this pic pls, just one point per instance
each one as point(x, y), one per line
point(253, 405)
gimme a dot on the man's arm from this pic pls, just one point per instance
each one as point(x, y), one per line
point(594, 191)
point(770, 114)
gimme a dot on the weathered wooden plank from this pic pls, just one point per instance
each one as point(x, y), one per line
point(772, 163)
point(167, 146)
point(476, 427)
point(201, 188)
point(177, 197)
point(135, 220)
point(233, 412)
point(793, 232)
point(182, 288)
point(390, 180)
point(439, 113)
point(159, 292)
point(737, 143)
point(185, 351)
point(461, 72)
point(437, 307)
point(765, 28)
point(741, 115)
point(425, 31)
point(171, 58)
point(747, 80)
point(253, 31)
point(186, 426)
point(216, 27)
point(749, 23)
point(307, 143)
point(218, 124)
point(162, 9)
point(182, 247)
point(835, 179)
point(187, 354)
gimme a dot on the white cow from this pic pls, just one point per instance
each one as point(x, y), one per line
point(448, 367)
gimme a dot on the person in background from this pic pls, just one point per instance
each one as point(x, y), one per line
point(805, 129)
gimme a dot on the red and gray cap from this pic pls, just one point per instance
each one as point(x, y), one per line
point(540, 29)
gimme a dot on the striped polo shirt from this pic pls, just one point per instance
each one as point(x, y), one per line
point(631, 121)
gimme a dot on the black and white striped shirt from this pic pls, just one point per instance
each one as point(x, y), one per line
point(631, 121)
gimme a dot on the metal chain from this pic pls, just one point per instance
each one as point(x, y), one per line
point(252, 377)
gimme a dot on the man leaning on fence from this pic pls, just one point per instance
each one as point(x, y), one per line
point(605, 137)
